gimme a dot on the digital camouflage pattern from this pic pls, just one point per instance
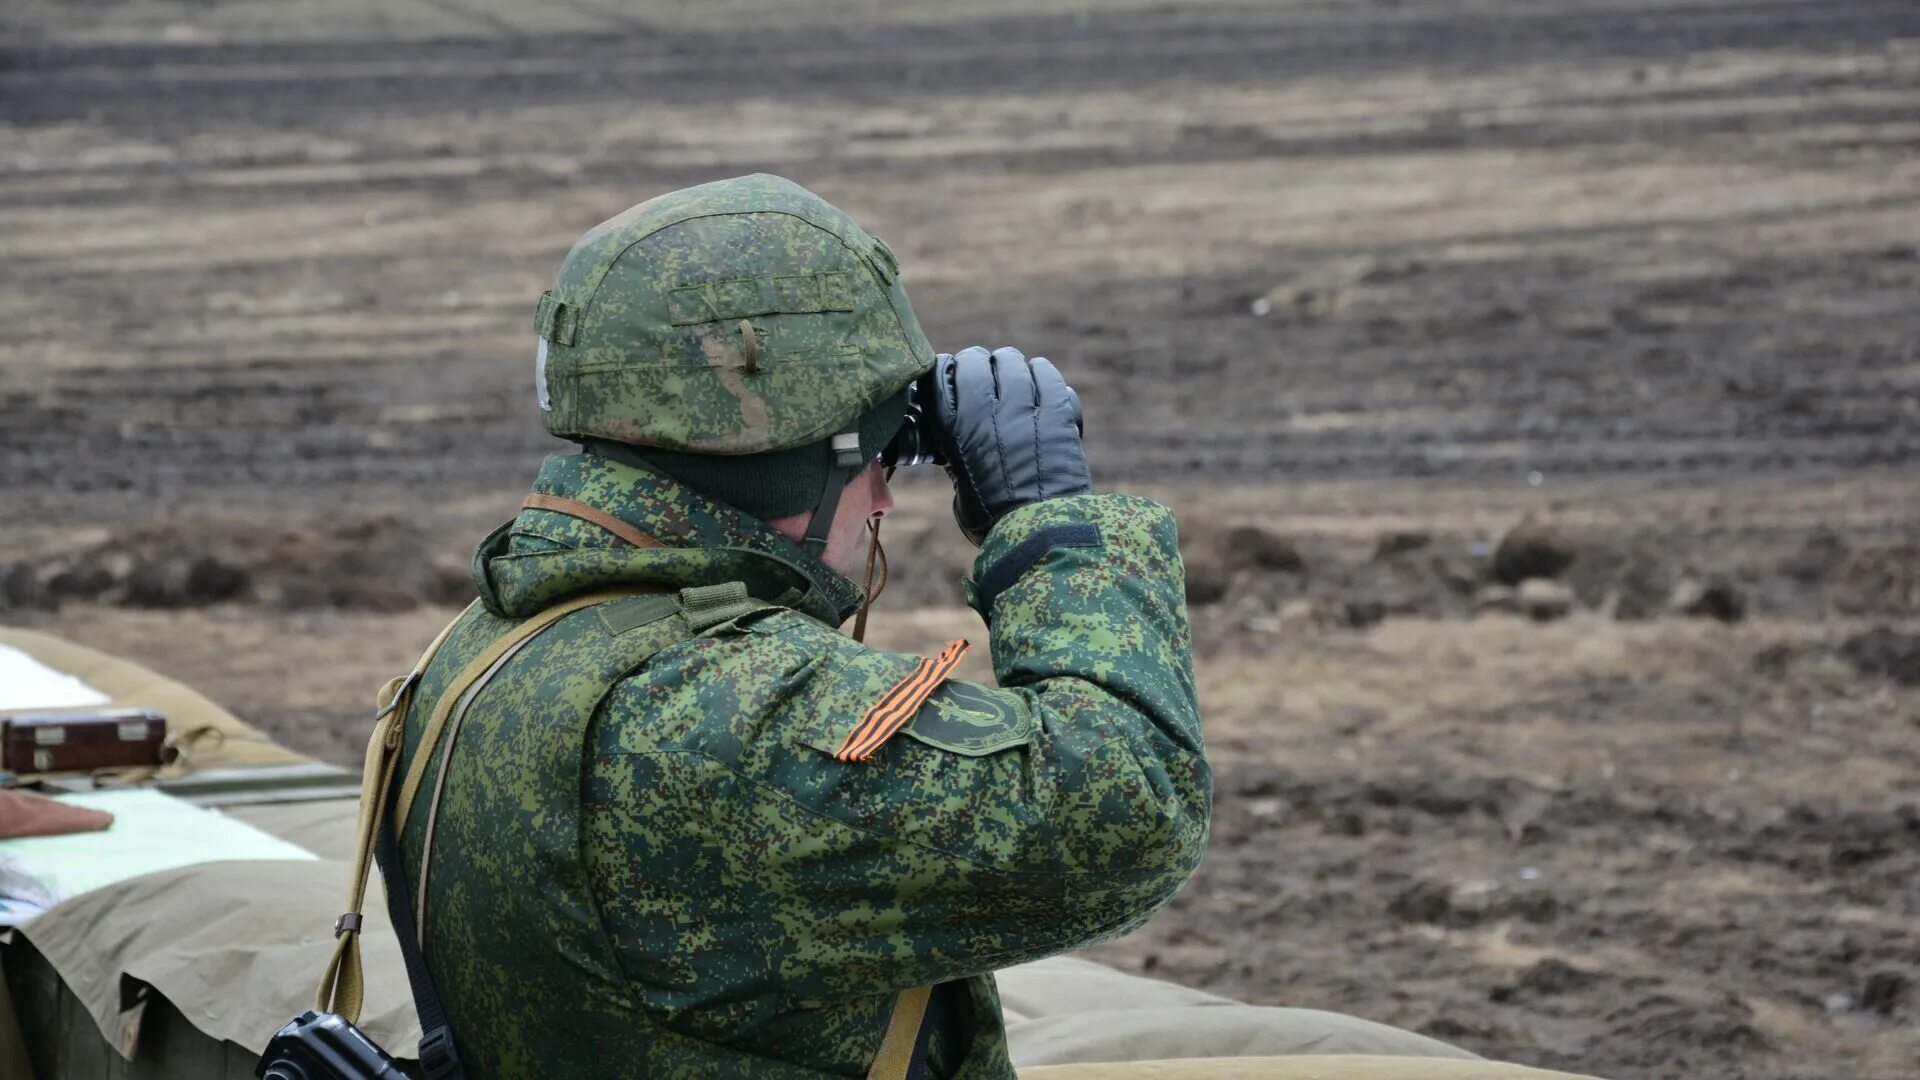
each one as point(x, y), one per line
point(735, 317)
point(649, 863)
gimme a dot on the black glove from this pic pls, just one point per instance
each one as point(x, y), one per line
point(1009, 428)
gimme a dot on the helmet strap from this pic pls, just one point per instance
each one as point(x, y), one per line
point(847, 463)
point(872, 590)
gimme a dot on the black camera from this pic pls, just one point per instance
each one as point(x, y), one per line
point(913, 444)
point(324, 1046)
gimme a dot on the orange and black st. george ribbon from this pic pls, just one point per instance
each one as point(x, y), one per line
point(899, 703)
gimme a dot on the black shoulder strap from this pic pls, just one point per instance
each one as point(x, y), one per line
point(438, 1059)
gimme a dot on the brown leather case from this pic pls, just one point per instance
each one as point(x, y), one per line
point(81, 740)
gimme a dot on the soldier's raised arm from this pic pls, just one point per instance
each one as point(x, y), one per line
point(1001, 825)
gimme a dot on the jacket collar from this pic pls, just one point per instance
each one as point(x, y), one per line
point(540, 558)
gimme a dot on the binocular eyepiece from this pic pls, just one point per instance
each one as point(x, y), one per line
point(914, 444)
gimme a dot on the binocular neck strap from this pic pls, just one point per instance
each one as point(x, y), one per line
point(340, 987)
point(847, 464)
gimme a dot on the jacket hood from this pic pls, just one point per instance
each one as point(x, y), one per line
point(543, 557)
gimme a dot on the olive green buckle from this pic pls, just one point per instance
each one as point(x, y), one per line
point(707, 606)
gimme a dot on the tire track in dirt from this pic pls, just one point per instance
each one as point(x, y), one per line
point(476, 16)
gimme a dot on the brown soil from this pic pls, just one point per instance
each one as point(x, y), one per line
point(1538, 384)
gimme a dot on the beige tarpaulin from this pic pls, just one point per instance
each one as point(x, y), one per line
point(1312, 1067)
point(1071, 1010)
point(324, 828)
point(207, 735)
point(236, 947)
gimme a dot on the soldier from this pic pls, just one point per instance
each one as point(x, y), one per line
point(658, 817)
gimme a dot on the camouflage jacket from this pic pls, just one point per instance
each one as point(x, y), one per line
point(702, 888)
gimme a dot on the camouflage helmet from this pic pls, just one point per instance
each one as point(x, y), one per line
point(737, 317)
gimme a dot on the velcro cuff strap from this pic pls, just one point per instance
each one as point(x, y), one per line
point(745, 298)
point(1022, 556)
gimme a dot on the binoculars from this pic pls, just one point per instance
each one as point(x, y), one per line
point(324, 1046)
point(914, 444)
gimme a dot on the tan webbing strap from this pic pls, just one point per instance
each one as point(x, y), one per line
point(450, 697)
point(903, 1031)
point(702, 606)
point(341, 984)
point(592, 515)
point(447, 740)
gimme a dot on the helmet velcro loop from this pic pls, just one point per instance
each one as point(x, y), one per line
point(556, 320)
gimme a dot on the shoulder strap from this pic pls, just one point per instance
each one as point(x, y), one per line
point(450, 697)
point(340, 985)
point(903, 1050)
point(438, 1058)
point(341, 990)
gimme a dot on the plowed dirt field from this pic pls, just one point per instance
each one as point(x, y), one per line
point(1538, 384)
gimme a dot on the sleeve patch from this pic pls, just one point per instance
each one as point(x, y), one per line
point(973, 720)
